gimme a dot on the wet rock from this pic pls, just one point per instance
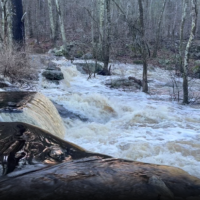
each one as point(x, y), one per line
point(63, 50)
point(85, 68)
point(160, 187)
point(123, 82)
point(4, 84)
point(104, 72)
point(64, 113)
point(53, 75)
point(138, 81)
point(53, 66)
point(60, 170)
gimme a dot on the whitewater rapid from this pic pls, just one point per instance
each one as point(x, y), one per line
point(128, 124)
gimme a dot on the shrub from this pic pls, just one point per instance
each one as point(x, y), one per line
point(14, 64)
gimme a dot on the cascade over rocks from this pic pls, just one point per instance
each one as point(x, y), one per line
point(53, 75)
point(38, 165)
point(33, 108)
point(53, 72)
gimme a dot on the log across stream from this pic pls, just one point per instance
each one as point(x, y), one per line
point(38, 165)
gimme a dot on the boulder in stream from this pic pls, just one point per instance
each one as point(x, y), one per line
point(53, 75)
point(37, 165)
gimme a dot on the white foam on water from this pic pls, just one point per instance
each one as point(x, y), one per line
point(126, 124)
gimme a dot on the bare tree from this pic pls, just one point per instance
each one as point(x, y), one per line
point(194, 14)
point(61, 21)
point(17, 21)
point(143, 47)
point(106, 39)
point(181, 51)
point(52, 23)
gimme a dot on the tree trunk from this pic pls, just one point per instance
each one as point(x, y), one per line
point(158, 31)
point(101, 20)
point(9, 16)
point(185, 6)
point(52, 23)
point(3, 19)
point(186, 59)
point(17, 22)
point(62, 27)
point(106, 43)
point(143, 48)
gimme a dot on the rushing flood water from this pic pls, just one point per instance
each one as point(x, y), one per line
point(39, 111)
point(125, 123)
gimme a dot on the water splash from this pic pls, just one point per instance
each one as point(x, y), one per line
point(126, 124)
point(40, 112)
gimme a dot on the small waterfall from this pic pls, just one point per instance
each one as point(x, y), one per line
point(126, 124)
point(38, 111)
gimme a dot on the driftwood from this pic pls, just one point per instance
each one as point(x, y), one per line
point(38, 165)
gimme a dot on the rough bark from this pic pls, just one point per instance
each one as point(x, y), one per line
point(7, 22)
point(52, 23)
point(106, 43)
point(3, 18)
point(61, 21)
point(101, 20)
point(194, 14)
point(18, 32)
point(181, 52)
point(9, 15)
point(143, 49)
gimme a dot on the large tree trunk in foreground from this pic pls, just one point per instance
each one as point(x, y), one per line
point(59, 170)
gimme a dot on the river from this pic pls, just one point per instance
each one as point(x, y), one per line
point(127, 123)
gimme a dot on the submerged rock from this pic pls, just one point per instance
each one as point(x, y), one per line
point(51, 168)
point(64, 113)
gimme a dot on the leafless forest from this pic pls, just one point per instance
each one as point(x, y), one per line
point(161, 32)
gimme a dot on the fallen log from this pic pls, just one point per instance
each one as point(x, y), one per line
point(38, 165)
